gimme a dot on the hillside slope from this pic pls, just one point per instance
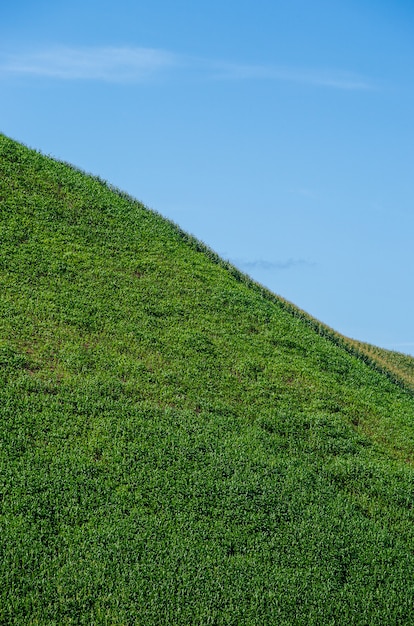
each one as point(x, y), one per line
point(397, 364)
point(179, 446)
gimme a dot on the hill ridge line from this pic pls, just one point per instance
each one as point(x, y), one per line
point(319, 327)
point(353, 347)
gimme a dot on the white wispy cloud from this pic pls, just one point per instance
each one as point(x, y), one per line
point(316, 77)
point(113, 64)
point(264, 264)
point(135, 64)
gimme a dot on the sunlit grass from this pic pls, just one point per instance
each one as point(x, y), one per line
point(178, 445)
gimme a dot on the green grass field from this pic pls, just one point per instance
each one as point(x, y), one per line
point(178, 445)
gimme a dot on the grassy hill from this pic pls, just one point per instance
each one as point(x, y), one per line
point(177, 444)
point(399, 365)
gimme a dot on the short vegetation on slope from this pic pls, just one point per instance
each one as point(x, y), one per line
point(176, 446)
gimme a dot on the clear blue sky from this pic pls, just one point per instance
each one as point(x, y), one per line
point(281, 133)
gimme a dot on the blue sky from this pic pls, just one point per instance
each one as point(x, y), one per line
point(281, 133)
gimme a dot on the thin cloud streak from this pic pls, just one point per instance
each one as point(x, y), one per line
point(136, 64)
point(263, 264)
point(318, 78)
point(106, 64)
